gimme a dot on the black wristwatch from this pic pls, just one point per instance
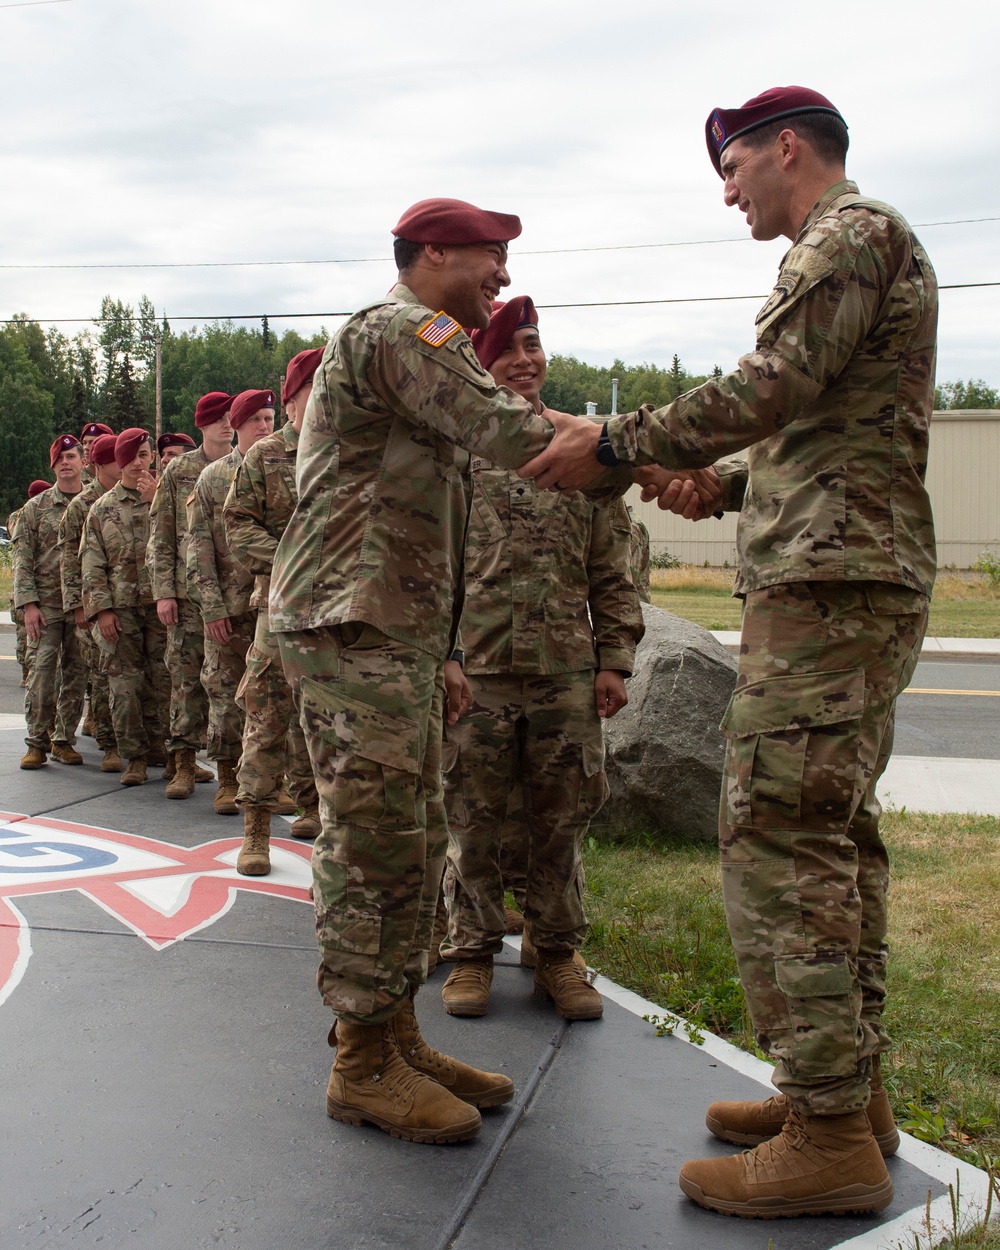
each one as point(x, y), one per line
point(458, 656)
point(604, 451)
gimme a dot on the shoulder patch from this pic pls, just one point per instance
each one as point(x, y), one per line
point(438, 330)
point(190, 499)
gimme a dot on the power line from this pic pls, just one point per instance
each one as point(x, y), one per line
point(380, 260)
point(31, 4)
point(319, 316)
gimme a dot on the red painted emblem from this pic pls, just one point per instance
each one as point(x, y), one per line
point(162, 892)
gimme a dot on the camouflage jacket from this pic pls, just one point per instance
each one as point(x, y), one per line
point(834, 405)
point(534, 562)
point(168, 525)
point(113, 552)
point(36, 550)
point(639, 556)
point(259, 505)
point(217, 582)
point(384, 493)
point(70, 535)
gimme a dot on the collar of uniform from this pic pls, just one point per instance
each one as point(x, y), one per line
point(128, 492)
point(290, 434)
point(403, 293)
point(825, 200)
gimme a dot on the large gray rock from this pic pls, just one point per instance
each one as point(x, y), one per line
point(664, 750)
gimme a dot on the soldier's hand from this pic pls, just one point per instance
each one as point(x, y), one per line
point(458, 692)
point(79, 618)
point(166, 610)
point(109, 625)
point(569, 462)
point(220, 631)
point(146, 484)
point(691, 493)
point(34, 621)
point(609, 689)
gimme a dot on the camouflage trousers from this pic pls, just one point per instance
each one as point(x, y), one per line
point(57, 679)
point(545, 733)
point(514, 838)
point(804, 870)
point(371, 712)
point(221, 674)
point(273, 744)
point(184, 657)
point(100, 698)
point(21, 637)
point(138, 683)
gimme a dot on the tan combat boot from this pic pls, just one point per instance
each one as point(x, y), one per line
point(202, 774)
point(225, 796)
point(308, 825)
point(65, 754)
point(479, 1089)
point(750, 1123)
point(370, 1083)
point(182, 784)
point(467, 990)
point(438, 935)
point(559, 976)
point(112, 762)
point(170, 767)
point(135, 772)
point(286, 804)
point(34, 757)
point(817, 1165)
point(529, 955)
point(255, 859)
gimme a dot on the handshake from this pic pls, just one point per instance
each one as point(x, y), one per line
point(691, 493)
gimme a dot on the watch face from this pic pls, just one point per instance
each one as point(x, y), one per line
point(606, 453)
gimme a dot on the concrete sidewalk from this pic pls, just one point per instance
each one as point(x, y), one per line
point(932, 648)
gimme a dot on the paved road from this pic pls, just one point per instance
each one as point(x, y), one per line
point(963, 726)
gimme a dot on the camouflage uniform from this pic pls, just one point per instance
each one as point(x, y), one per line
point(257, 509)
point(57, 677)
point(639, 557)
point(535, 562)
point(70, 535)
point(377, 538)
point(166, 557)
point(221, 587)
point(837, 558)
point(113, 566)
point(17, 614)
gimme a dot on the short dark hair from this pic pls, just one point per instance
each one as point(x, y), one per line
point(405, 253)
point(826, 132)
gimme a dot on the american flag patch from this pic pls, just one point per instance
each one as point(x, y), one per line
point(438, 330)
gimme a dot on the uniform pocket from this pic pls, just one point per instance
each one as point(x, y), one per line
point(251, 694)
point(373, 759)
point(792, 752)
point(594, 789)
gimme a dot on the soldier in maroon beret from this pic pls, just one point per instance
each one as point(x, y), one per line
point(299, 376)
point(37, 486)
point(168, 539)
point(837, 559)
point(56, 676)
point(170, 445)
point(88, 435)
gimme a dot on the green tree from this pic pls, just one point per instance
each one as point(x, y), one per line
point(26, 426)
point(972, 394)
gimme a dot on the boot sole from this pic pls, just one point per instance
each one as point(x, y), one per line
point(347, 1114)
point(491, 1098)
point(253, 871)
point(590, 1013)
point(851, 1200)
point(111, 768)
point(59, 760)
point(468, 1010)
point(227, 809)
point(888, 1143)
point(31, 767)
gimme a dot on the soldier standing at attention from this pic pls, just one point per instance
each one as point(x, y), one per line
point(17, 614)
point(89, 435)
point(257, 509)
point(57, 677)
point(170, 445)
point(837, 561)
point(364, 591)
point(107, 473)
point(185, 652)
point(118, 595)
point(550, 624)
point(222, 588)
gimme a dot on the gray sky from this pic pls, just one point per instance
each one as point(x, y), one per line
point(205, 130)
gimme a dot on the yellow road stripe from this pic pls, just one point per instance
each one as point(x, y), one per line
point(986, 694)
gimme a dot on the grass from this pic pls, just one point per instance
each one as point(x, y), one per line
point(658, 927)
point(965, 604)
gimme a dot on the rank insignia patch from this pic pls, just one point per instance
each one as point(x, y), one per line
point(438, 330)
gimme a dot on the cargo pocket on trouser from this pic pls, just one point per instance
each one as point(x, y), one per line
point(594, 789)
point(251, 693)
point(789, 870)
point(368, 865)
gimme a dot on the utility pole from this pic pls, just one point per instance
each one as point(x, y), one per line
point(159, 388)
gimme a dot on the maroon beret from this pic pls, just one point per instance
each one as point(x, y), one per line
point(173, 440)
point(725, 125)
point(505, 320)
point(95, 427)
point(211, 408)
point(37, 486)
point(64, 442)
point(299, 371)
point(247, 403)
point(127, 444)
point(102, 450)
point(455, 222)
